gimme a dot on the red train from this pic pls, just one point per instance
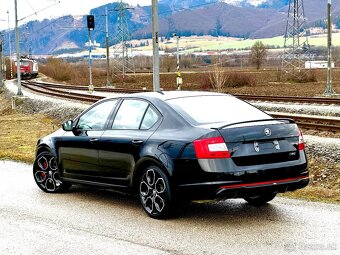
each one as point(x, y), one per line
point(28, 68)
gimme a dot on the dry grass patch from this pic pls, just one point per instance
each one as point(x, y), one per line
point(324, 183)
point(19, 132)
point(315, 194)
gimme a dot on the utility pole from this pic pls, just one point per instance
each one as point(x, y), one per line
point(329, 89)
point(108, 84)
point(155, 44)
point(19, 93)
point(10, 46)
point(179, 80)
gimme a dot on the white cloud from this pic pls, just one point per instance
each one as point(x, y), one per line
point(253, 2)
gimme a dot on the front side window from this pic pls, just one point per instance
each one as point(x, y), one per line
point(95, 118)
point(130, 114)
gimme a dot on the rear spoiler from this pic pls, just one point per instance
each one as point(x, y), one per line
point(290, 121)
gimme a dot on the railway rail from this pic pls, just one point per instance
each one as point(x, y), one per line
point(309, 100)
point(329, 124)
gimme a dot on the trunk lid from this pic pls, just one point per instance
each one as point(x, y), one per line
point(262, 142)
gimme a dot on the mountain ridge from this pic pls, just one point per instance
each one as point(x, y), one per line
point(244, 19)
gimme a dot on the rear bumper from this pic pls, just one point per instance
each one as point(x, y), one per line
point(251, 189)
point(214, 190)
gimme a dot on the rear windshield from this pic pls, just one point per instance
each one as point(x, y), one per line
point(224, 109)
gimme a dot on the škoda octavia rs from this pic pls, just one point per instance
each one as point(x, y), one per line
point(169, 146)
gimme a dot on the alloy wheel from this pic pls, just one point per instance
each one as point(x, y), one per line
point(46, 173)
point(154, 192)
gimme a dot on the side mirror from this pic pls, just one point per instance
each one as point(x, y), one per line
point(68, 125)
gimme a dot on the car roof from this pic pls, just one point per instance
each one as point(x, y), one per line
point(167, 95)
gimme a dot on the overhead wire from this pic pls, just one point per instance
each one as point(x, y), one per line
point(30, 6)
point(174, 10)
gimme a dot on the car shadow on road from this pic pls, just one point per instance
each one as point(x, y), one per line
point(232, 210)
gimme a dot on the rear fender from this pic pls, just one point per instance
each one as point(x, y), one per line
point(162, 155)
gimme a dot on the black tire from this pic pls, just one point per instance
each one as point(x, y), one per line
point(260, 199)
point(46, 174)
point(154, 192)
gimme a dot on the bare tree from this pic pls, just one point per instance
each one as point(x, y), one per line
point(168, 63)
point(336, 55)
point(186, 61)
point(258, 54)
point(218, 77)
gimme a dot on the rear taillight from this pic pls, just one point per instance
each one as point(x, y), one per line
point(211, 148)
point(301, 145)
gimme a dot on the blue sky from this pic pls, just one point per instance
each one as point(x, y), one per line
point(65, 7)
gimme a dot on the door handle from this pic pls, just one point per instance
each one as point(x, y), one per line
point(94, 140)
point(137, 142)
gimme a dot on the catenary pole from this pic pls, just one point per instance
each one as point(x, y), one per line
point(108, 84)
point(155, 44)
point(19, 93)
point(329, 88)
point(10, 46)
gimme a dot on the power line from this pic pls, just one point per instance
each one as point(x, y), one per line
point(183, 9)
point(30, 6)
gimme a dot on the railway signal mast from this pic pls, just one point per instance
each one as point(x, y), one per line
point(329, 89)
point(296, 46)
point(90, 26)
point(179, 79)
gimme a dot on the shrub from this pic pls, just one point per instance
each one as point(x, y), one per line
point(237, 79)
point(58, 69)
point(220, 79)
point(304, 77)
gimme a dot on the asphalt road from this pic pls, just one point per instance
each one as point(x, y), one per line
point(90, 221)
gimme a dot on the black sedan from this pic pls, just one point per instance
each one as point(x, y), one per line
point(168, 147)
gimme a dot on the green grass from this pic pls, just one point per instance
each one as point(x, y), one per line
point(205, 43)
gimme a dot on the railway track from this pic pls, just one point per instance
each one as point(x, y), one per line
point(309, 100)
point(39, 88)
point(329, 124)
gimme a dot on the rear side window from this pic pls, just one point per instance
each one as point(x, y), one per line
point(150, 119)
point(200, 110)
point(130, 114)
